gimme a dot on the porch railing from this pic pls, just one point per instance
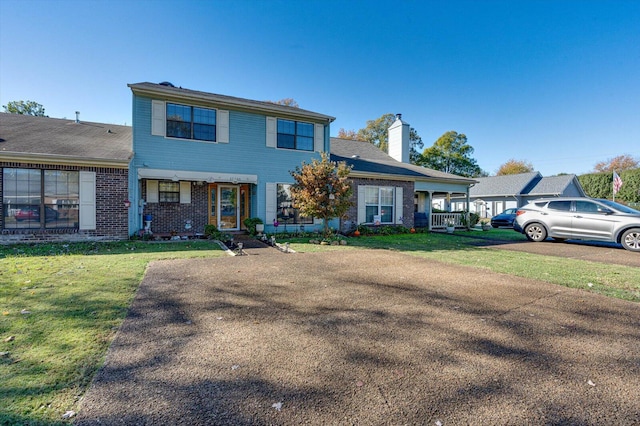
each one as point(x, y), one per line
point(441, 220)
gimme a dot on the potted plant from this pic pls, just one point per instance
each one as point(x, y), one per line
point(254, 225)
point(451, 225)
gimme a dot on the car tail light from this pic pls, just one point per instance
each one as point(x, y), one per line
point(519, 212)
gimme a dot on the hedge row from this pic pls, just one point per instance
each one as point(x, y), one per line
point(600, 185)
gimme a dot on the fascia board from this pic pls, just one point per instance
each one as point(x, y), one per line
point(231, 103)
point(65, 160)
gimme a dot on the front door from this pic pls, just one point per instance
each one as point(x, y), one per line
point(228, 206)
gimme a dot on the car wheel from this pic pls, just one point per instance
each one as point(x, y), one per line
point(535, 232)
point(631, 239)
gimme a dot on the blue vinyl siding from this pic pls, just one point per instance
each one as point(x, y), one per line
point(246, 152)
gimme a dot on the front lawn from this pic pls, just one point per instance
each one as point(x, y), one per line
point(465, 248)
point(61, 305)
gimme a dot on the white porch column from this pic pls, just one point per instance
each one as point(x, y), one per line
point(429, 209)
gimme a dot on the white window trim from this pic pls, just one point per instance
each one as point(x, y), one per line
point(159, 122)
point(272, 135)
point(397, 204)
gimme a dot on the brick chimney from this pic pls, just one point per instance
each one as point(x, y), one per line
point(399, 145)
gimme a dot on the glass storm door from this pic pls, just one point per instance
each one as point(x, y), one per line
point(228, 203)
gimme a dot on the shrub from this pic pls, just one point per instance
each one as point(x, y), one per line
point(250, 223)
point(212, 232)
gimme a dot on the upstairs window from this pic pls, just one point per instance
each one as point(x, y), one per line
point(190, 122)
point(295, 135)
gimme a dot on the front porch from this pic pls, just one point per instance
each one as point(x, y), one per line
point(428, 200)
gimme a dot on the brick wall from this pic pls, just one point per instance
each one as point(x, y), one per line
point(111, 214)
point(408, 189)
point(169, 217)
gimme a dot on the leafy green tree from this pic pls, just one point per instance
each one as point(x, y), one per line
point(376, 132)
point(451, 154)
point(24, 108)
point(514, 167)
point(322, 189)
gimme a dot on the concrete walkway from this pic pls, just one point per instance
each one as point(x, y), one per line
point(364, 337)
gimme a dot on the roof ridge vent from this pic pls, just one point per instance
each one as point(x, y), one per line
point(166, 83)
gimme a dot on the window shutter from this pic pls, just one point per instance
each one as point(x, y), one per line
point(152, 191)
point(185, 192)
point(318, 141)
point(399, 205)
point(272, 134)
point(222, 126)
point(158, 119)
point(87, 214)
point(362, 209)
point(272, 200)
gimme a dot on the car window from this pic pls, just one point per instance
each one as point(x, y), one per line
point(560, 205)
point(589, 207)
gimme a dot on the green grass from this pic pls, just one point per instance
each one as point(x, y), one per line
point(77, 296)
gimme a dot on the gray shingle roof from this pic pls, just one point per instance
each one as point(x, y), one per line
point(54, 138)
point(552, 185)
point(168, 91)
point(367, 158)
point(531, 184)
point(506, 185)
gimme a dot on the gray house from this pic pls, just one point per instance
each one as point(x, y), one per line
point(492, 195)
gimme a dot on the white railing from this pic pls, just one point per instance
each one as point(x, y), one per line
point(441, 220)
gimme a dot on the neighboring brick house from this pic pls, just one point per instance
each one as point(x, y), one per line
point(63, 180)
point(388, 190)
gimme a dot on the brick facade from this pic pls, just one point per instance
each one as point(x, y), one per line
point(111, 214)
point(408, 189)
point(168, 217)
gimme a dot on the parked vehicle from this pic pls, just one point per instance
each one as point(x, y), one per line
point(505, 218)
point(579, 218)
point(33, 213)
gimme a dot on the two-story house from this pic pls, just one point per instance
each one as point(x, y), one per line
point(203, 158)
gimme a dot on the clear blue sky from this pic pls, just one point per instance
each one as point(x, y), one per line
point(553, 82)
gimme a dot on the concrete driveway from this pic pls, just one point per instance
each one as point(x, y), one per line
point(364, 337)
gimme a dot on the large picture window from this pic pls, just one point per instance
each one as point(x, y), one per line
point(379, 203)
point(33, 198)
point(295, 135)
point(189, 122)
point(286, 212)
